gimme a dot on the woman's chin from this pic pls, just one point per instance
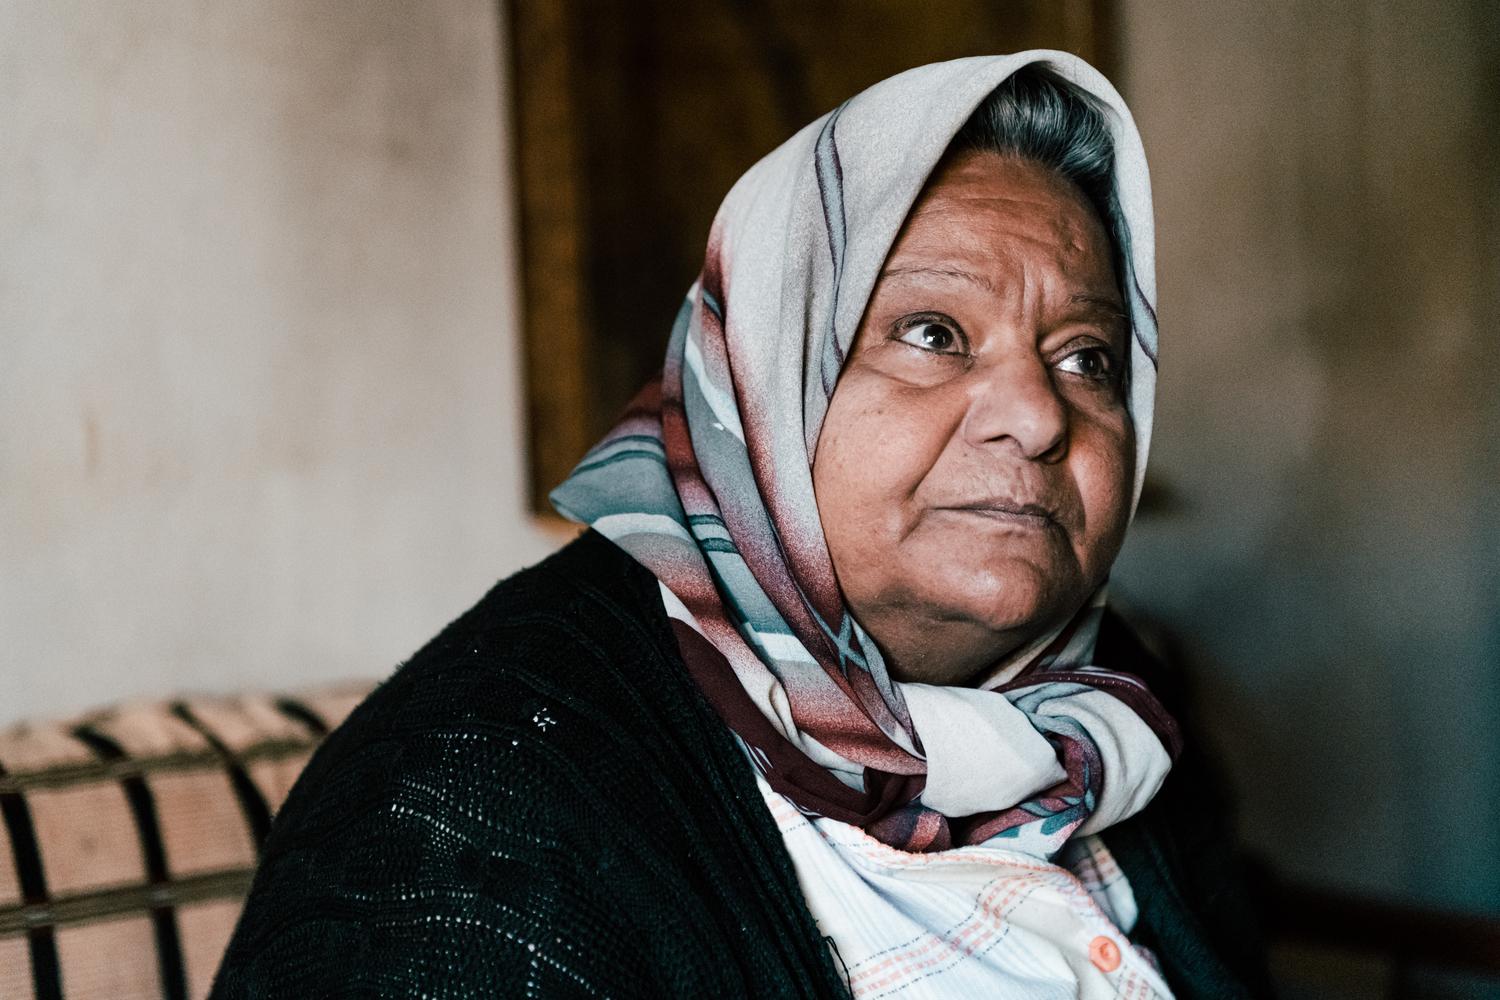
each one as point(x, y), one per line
point(952, 628)
point(1018, 595)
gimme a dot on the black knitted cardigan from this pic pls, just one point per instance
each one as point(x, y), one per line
point(541, 804)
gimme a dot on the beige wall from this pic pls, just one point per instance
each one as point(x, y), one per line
point(259, 414)
point(1326, 180)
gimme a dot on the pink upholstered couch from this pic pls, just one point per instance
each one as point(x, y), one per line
point(128, 837)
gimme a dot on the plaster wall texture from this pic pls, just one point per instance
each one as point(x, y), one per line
point(1326, 183)
point(259, 399)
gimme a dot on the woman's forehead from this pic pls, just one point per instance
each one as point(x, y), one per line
point(987, 232)
point(973, 192)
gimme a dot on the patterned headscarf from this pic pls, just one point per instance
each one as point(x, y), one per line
point(707, 481)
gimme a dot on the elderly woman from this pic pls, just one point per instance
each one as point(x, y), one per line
point(827, 701)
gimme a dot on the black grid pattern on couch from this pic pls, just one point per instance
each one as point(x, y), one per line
point(129, 836)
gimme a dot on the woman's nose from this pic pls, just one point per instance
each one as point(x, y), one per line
point(1016, 401)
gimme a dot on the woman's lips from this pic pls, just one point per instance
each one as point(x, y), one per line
point(1026, 515)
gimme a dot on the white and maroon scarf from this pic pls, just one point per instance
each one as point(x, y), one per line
point(707, 481)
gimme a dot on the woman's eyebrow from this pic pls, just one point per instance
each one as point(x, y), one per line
point(1100, 304)
point(942, 272)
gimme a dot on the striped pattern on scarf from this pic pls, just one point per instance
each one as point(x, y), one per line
point(706, 481)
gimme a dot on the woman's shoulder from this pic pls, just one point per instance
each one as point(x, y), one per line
point(589, 598)
point(515, 808)
point(579, 636)
point(448, 816)
point(547, 624)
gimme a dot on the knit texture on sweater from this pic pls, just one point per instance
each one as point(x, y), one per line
point(541, 804)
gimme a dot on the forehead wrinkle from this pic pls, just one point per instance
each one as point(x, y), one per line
point(1000, 269)
point(940, 271)
point(969, 245)
point(965, 200)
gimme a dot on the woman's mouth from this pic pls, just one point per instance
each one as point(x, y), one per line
point(1021, 515)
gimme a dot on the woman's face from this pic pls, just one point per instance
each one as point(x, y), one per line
point(974, 469)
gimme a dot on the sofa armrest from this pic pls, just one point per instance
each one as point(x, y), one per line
point(128, 836)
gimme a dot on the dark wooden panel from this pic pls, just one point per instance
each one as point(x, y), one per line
point(634, 117)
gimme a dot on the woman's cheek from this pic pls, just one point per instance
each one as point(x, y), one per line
point(865, 465)
point(883, 442)
point(1105, 476)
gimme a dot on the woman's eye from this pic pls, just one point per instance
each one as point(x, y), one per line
point(1091, 362)
point(931, 336)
